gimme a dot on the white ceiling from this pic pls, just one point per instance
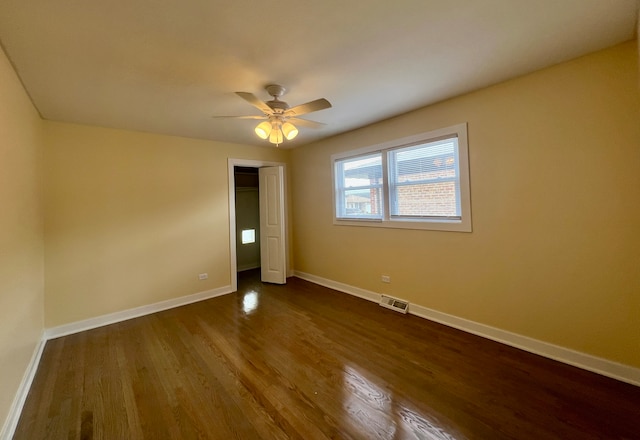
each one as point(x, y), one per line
point(168, 66)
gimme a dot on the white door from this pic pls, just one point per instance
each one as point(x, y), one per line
point(272, 234)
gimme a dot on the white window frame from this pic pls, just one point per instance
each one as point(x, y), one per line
point(435, 224)
point(340, 189)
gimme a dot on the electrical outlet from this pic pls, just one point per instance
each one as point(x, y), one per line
point(203, 276)
point(386, 279)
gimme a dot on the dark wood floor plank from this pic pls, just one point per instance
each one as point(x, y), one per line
point(301, 361)
point(97, 405)
point(36, 410)
point(236, 395)
point(266, 383)
point(201, 393)
point(123, 364)
point(152, 384)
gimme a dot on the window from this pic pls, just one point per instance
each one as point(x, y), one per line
point(419, 182)
point(359, 185)
point(248, 236)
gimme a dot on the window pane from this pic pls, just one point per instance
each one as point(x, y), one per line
point(360, 203)
point(359, 187)
point(248, 236)
point(427, 200)
point(424, 180)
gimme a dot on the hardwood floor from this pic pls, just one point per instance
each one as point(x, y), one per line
point(304, 362)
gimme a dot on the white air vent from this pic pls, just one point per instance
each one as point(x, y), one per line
point(394, 304)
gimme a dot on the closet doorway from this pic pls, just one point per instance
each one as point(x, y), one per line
point(258, 238)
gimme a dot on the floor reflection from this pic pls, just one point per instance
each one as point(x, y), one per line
point(367, 405)
point(250, 301)
point(372, 409)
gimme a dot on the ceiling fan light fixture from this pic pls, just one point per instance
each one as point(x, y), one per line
point(290, 131)
point(263, 129)
point(276, 136)
point(277, 127)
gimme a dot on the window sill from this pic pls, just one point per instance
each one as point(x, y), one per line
point(428, 225)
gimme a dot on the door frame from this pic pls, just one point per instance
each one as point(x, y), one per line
point(232, 212)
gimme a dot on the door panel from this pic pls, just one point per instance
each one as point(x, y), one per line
point(272, 233)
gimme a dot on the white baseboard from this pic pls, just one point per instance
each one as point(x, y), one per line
point(578, 359)
point(20, 398)
point(112, 318)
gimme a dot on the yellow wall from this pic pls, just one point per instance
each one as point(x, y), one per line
point(131, 218)
point(555, 188)
point(21, 240)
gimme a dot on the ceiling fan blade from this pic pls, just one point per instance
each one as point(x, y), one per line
point(313, 106)
point(239, 117)
point(251, 99)
point(306, 123)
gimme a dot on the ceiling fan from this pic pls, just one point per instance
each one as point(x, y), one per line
point(279, 117)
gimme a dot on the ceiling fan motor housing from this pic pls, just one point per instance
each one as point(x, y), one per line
point(276, 91)
point(276, 105)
